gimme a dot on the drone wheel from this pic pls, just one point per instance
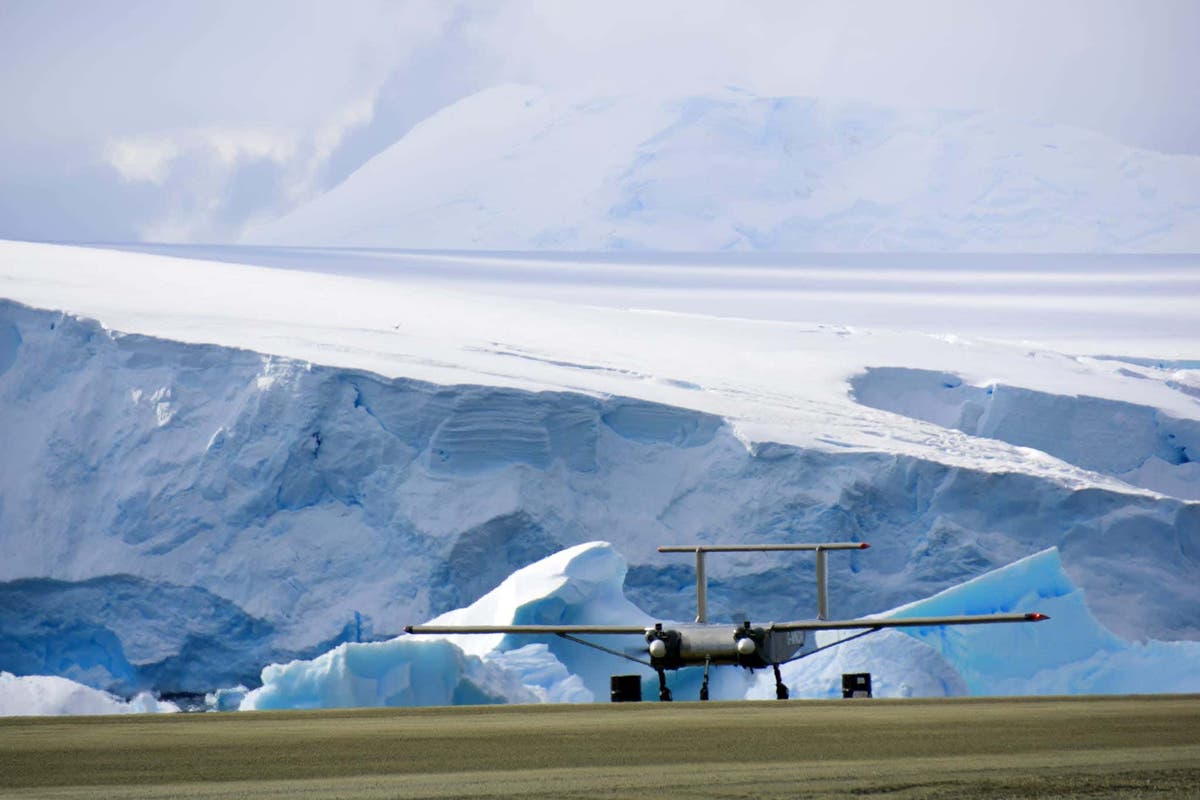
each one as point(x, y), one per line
point(781, 690)
point(664, 693)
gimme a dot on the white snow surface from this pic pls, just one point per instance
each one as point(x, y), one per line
point(255, 454)
point(1068, 654)
point(519, 168)
point(450, 320)
point(49, 695)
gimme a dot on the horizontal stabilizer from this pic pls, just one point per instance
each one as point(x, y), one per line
point(759, 548)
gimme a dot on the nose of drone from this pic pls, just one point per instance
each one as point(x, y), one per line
point(746, 646)
point(658, 648)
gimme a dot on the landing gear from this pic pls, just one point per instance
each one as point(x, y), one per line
point(664, 694)
point(704, 686)
point(781, 691)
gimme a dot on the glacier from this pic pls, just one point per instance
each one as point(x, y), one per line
point(211, 466)
point(216, 478)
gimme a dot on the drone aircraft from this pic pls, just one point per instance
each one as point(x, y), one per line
point(671, 646)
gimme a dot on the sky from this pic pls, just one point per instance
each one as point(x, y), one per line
point(190, 120)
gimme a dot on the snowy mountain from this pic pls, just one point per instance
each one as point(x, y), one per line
point(211, 466)
point(516, 168)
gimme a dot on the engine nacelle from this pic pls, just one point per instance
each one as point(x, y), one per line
point(750, 645)
point(664, 647)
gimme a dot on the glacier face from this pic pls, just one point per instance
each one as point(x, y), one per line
point(299, 505)
point(732, 170)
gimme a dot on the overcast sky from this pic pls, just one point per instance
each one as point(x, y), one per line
point(173, 120)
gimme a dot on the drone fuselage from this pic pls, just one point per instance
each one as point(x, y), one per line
point(745, 645)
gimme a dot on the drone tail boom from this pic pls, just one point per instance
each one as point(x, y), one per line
point(821, 549)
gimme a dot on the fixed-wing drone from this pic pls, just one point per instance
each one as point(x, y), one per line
point(671, 646)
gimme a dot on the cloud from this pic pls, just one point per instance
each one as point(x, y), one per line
point(222, 179)
point(142, 158)
point(149, 158)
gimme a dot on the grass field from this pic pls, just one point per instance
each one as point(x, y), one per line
point(1127, 747)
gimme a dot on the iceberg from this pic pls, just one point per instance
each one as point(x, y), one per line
point(579, 585)
point(48, 695)
point(400, 672)
point(1068, 654)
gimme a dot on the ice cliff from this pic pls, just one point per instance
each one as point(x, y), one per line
point(1140, 444)
point(175, 515)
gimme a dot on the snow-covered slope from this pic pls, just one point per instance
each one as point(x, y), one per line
point(262, 462)
point(516, 168)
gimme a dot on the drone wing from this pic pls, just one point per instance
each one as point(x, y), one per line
point(867, 623)
point(530, 629)
point(864, 623)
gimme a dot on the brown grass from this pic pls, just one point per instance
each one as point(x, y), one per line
point(1126, 747)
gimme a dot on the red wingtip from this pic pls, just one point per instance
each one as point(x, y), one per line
point(1036, 617)
point(863, 546)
